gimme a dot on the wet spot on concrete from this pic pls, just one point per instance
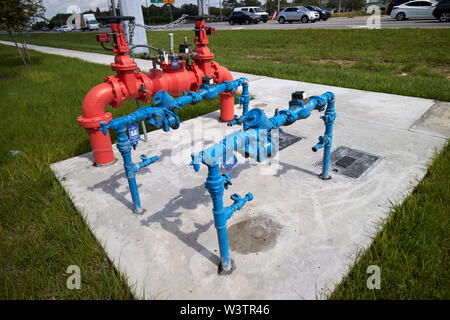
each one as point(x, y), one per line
point(253, 235)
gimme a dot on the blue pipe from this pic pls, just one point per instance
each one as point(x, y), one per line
point(215, 184)
point(124, 146)
point(255, 140)
point(256, 143)
point(326, 140)
point(244, 99)
point(161, 114)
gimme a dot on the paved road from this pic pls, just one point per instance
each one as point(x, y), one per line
point(333, 23)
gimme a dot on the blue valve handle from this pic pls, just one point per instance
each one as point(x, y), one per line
point(226, 180)
point(103, 127)
point(146, 161)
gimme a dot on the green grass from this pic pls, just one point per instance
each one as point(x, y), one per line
point(412, 247)
point(351, 14)
point(41, 233)
point(412, 62)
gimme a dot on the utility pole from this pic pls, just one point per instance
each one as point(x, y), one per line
point(220, 5)
point(170, 10)
point(278, 6)
point(340, 6)
point(148, 14)
point(200, 7)
point(113, 6)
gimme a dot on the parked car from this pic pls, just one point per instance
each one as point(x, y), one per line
point(323, 14)
point(291, 14)
point(56, 28)
point(45, 29)
point(263, 16)
point(65, 28)
point(393, 4)
point(243, 17)
point(442, 11)
point(414, 10)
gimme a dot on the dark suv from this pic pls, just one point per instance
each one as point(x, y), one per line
point(243, 17)
point(442, 11)
point(395, 3)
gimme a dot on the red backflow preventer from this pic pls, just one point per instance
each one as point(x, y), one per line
point(130, 83)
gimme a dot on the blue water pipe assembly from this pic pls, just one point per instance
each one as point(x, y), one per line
point(162, 115)
point(254, 139)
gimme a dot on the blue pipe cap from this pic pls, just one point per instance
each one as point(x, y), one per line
point(195, 161)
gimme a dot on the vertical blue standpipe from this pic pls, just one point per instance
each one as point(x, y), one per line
point(328, 118)
point(215, 186)
point(124, 146)
point(245, 97)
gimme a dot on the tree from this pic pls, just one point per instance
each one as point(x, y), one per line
point(306, 3)
point(18, 15)
point(334, 3)
point(230, 4)
point(272, 5)
point(353, 4)
point(250, 3)
point(190, 9)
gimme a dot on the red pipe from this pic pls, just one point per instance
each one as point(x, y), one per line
point(94, 105)
point(226, 99)
point(131, 84)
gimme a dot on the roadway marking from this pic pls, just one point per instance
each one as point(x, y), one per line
point(357, 26)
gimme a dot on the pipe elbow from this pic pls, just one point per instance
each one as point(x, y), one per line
point(97, 99)
point(223, 74)
point(94, 106)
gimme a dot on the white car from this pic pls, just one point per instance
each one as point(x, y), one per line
point(300, 13)
point(65, 28)
point(414, 10)
point(263, 16)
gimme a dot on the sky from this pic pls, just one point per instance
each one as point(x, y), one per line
point(61, 6)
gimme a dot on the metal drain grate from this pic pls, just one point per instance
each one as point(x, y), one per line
point(351, 163)
point(286, 139)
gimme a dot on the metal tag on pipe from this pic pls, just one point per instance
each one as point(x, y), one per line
point(133, 132)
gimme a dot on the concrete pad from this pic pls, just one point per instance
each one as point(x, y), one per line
point(436, 121)
point(297, 237)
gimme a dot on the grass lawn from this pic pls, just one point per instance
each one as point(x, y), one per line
point(412, 247)
point(412, 62)
point(41, 233)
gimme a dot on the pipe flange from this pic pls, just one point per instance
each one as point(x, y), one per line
point(93, 123)
point(147, 83)
point(114, 82)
